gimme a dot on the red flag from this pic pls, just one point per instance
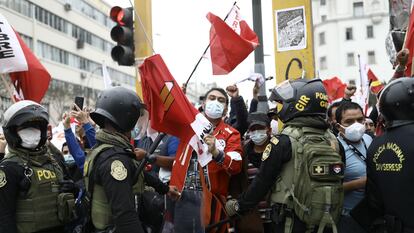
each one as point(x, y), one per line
point(409, 44)
point(169, 109)
point(375, 85)
point(34, 82)
point(228, 48)
point(335, 88)
point(171, 112)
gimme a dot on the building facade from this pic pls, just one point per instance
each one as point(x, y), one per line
point(72, 40)
point(345, 29)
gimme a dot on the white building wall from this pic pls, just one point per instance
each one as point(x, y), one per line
point(339, 16)
point(39, 31)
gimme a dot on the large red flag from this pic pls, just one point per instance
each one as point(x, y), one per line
point(171, 112)
point(335, 88)
point(375, 85)
point(409, 44)
point(34, 82)
point(228, 48)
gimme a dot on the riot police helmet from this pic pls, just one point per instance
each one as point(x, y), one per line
point(21, 115)
point(301, 97)
point(396, 101)
point(118, 105)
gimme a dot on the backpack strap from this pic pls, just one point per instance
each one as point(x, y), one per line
point(327, 217)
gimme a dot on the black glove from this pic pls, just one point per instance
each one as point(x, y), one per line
point(68, 186)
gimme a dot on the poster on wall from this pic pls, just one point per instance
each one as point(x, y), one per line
point(290, 29)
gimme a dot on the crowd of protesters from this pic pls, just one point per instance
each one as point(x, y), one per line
point(239, 145)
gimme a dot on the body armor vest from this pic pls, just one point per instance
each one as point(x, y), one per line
point(37, 207)
point(101, 209)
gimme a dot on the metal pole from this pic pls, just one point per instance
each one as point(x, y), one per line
point(258, 54)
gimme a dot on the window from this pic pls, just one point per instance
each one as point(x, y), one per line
point(358, 8)
point(322, 63)
point(349, 34)
point(323, 2)
point(371, 57)
point(350, 59)
point(370, 31)
point(323, 18)
point(322, 38)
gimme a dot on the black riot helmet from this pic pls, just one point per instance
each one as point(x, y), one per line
point(25, 114)
point(122, 107)
point(396, 102)
point(301, 97)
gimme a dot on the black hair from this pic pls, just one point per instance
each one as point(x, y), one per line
point(329, 111)
point(346, 105)
point(63, 145)
point(221, 90)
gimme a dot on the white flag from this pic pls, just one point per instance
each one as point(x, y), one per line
point(361, 97)
point(106, 78)
point(12, 58)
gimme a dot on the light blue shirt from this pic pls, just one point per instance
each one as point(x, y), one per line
point(355, 169)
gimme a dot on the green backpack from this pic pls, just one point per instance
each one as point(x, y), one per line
point(311, 182)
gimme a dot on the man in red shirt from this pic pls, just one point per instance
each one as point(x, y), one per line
point(205, 188)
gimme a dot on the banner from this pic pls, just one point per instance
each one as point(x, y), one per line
point(293, 32)
point(12, 58)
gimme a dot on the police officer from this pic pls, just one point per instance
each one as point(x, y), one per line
point(32, 195)
point(110, 171)
point(301, 107)
point(388, 206)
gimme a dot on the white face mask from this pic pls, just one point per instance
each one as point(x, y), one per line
point(214, 109)
point(259, 137)
point(30, 137)
point(354, 132)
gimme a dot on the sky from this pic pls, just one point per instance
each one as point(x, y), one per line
point(181, 34)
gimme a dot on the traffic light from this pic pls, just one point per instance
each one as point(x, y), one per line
point(123, 34)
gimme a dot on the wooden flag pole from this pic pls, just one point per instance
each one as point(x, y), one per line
point(8, 88)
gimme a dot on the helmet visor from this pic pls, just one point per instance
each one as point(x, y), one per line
point(283, 92)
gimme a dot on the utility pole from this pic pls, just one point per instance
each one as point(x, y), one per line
point(258, 54)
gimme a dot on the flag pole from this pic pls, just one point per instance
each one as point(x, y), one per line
point(362, 89)
point(7, 87)
point(205, 51)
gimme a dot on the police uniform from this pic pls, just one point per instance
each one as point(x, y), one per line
point(390, 165)
point(32, 198)
point(110, 170)
point(277, 167)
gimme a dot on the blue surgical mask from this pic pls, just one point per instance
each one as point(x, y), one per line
point(258, 137)
point(214, 109)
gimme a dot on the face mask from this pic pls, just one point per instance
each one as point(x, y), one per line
point(275, 127)
point(30, 137)
point(214, 109)
point(258, 137)
point(354, 132)
point(68, 159)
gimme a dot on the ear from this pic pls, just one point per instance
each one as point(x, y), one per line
point(226, 108)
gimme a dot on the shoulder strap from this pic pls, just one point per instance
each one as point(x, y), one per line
point(357, 152)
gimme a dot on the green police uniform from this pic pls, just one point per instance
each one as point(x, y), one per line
point(114, 150)
point(40, 205)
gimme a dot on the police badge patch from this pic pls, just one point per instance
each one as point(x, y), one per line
point(3, 180)
point(118, 171)
point(266, 152)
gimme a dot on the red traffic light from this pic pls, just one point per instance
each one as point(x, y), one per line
point(121, 16)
